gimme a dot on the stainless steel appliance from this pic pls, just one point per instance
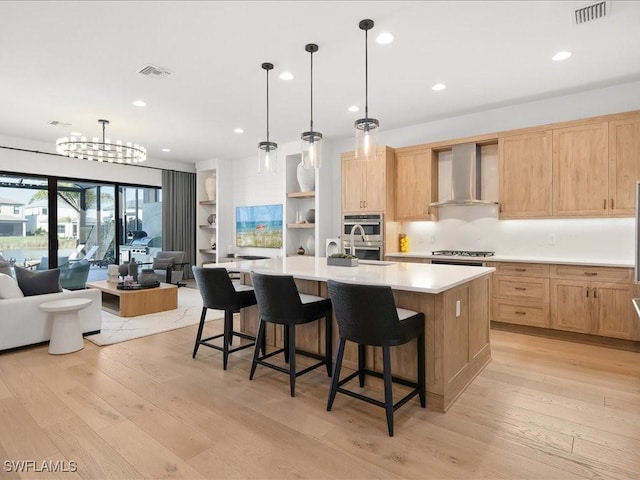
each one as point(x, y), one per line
point(460, 257)
point(368, 240)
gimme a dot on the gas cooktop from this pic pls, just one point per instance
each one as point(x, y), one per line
point(462, 253)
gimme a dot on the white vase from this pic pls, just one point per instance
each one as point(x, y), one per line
point(311, 245)
point(306, 178)
point(210, 187)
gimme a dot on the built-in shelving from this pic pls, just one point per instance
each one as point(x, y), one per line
point(301, 194)
point(301, 225)
point(207, 202)
point(207, 235)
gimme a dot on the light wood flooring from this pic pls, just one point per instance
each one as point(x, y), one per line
point(542, 409)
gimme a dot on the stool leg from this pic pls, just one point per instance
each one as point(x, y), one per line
point(362, 362)
point(388, 393)
point(422, 388)
point(335, 378)
point(256, 350)
point(199, 335)
point(285, 337)
point(228, 323)
point(328, 342)
point(292, 359)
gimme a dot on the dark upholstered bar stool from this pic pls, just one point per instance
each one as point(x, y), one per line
point(280, 302)
point(367, 315)
point(220, 293)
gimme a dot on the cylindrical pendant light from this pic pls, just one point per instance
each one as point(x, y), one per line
point(366, 128)
point(268, 151)
point(311, 140)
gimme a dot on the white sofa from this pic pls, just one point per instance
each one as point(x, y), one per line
point(23, 323)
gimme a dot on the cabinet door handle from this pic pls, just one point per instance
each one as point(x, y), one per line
point(594, 293)
point(591, 274)
point(520, 288)
point(520, 313)
point(604, 205)
point(611, 203)
point(521, 269)
point(587, 292)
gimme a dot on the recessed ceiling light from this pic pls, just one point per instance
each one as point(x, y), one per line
point(238, 130)
point(286, 76)
point(384, 38)
point(354, 108)
point(76, 134)
point(166, 149)
point(558, 57)
point(438, 86)
point(139, 103)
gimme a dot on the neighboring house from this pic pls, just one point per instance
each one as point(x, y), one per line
point(12, 222)
point(37, 217)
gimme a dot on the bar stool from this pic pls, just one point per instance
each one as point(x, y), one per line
point(220, 293)
point(367, 315)
point(280, 302)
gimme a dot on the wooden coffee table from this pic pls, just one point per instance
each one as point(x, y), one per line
point(131, 303)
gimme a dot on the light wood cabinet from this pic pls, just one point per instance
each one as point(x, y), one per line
point(521, 294)
point(417, 181)
point(580, 170)
point(624, 164)
point(599, 306)
point(368, 185)
point(525, 175)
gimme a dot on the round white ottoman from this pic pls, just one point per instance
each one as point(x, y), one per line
point(66, 333)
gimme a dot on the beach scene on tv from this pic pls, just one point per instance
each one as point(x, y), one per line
point(259, 226)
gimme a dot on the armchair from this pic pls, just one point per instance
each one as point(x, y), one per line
point(73, 276)
point(169, 267)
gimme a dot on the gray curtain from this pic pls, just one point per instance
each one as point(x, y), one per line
point(178, 215)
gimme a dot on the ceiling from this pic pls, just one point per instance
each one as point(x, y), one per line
point(77, 62)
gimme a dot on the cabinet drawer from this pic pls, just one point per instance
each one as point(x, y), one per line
point(526, 269)
point(523, 288)
point(601, 274)
point(534, 314)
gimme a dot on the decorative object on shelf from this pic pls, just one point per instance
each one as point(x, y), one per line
point(299, 216)
point(112, 273)
point(311, 248)
point(147, 277)
point(213, 243)
point(268, 151)
point(311, 140)
point(404, 243)
point(310, 216)
point(136, 286)
point(342, 260)
point(306, 177)
point(101, 151)
point(210, 187)
point(129, 268)
point(366, 128)
point(211, 219)
point(300, 250)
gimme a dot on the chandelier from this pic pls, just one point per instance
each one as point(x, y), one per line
point(101, 151)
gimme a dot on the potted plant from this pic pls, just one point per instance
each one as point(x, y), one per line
point(342, 260)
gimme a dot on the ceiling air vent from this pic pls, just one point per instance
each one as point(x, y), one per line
point(591, 12)
point(152, 71)
point(58, 123)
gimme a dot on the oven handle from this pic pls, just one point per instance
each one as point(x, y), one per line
point(362, 223)
point(363, 248)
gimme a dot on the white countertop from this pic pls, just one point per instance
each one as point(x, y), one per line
point(524, 259)
point(413, 277)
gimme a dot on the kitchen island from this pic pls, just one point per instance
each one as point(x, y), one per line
point(454, 299)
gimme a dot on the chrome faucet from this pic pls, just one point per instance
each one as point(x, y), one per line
point(351, 240)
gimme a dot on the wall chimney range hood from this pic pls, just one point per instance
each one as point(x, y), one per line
point(466, 181)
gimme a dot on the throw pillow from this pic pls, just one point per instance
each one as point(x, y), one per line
point(38, 282)
point(162, 263)
point(9, 287)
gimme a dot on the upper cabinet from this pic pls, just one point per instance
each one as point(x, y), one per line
point(417, 181)
point(525, 174)
point(580, 170)
point(624, 164)
point(368, 185)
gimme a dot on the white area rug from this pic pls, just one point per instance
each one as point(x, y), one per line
point(120, 329)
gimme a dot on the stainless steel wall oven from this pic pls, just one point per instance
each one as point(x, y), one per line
point(368, 235)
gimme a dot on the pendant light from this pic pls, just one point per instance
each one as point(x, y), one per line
point(366, 128)
point(311, 141)
point(268, 154)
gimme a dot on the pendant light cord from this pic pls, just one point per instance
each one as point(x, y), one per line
point(366, 74)
point(311, 101)
point(267, 105)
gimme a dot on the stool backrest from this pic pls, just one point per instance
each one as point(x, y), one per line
point(365, 314)
point(278, 297)
point(216, 288)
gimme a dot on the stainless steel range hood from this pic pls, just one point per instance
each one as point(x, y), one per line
point(466, 182)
